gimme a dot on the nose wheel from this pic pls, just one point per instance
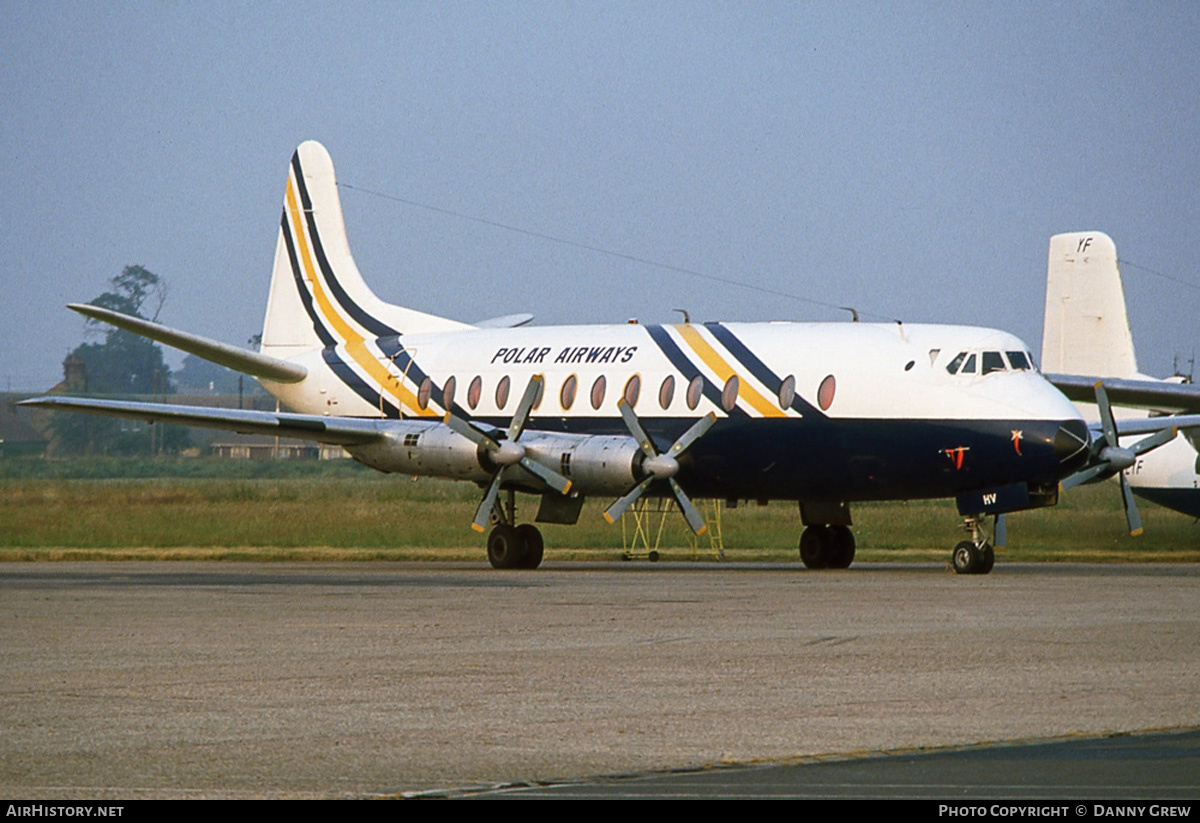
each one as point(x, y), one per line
point(974, 556)
point(971, 559)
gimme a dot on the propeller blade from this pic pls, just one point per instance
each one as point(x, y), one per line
point(635, 428)
point(469, 431)
point(1154, 441)
point(1086, 476)
point(693, 517)
point(1131, 512)
point(483, 514)
point(521, 416)
point(549, 476)
point(617, 509)
point(698, 430)
point(1106, 416)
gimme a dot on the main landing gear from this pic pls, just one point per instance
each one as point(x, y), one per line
point(827, 547)
point(510, 546)
point(974, 556)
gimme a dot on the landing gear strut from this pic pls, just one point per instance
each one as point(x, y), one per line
point(510, 546)
point(827, 547)
point(974, 556)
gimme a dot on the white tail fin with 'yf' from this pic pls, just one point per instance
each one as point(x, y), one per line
point(1086, 329)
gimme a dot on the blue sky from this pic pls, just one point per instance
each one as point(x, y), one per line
point(908, 159)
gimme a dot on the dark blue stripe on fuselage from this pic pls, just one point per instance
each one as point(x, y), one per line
point(758, 368)
point(685, 366)
point(839, 459)
point(1184, 500)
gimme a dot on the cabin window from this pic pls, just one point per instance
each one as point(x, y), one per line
point(956, 362)
point(566, 396)
point(666, 392)
point(541, 392)
point(598, 389)
point(633, 390)
point(695, 392)
point(424, 392)
point(787, 392)
point(502, 392)
point(992, 361)
point(448, 393)
point(826, 391)
point(1019, 361)
point(474, 391)
point(969, 366)
point(729, 394)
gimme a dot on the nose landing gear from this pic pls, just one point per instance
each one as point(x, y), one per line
point(974, 556)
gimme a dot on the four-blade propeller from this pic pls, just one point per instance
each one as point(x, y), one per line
point(1108, 457)
point(661, 467)
point(505, 451)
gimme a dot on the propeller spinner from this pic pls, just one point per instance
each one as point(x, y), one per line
point(1109, 457)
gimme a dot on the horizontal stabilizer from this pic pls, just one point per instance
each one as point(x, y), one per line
point(342, 431)
point(508, 321)
point(1147, 394)
point(223, 354)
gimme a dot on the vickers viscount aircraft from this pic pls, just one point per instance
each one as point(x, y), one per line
point(819, 413)
point(1086, 339)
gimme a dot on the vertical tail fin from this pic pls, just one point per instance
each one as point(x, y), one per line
point(318, 298)
point(1086, 328)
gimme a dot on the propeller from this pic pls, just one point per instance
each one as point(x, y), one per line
point(1108, 457)
point(661, 467)
point(506, 451)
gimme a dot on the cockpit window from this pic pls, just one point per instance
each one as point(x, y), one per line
point(1019, 361)
point(956, 362)
point(992, 361)
point(969, 367)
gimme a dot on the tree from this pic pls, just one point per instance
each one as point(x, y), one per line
point(123, 364)
point(126, 363)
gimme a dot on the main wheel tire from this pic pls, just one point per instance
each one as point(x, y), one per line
point(505, 548)
point(815, 545)
point(531, 536)
point(843, 547)
point(966, 558)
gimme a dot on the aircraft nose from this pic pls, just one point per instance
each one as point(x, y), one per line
point(1071, 444)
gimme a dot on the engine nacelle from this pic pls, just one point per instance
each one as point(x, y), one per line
point(423, 447)
point(595, 464)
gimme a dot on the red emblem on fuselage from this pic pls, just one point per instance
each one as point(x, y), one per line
point(956, 455)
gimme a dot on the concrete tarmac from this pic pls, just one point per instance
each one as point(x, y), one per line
point(150, 680)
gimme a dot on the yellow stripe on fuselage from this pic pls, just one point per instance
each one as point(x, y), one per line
point(356, 345)
point(724, 371)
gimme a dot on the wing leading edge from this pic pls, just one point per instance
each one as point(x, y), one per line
point(342, 431)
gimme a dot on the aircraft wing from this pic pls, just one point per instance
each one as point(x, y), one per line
point(1147, 394)
point(1150, 425)
point(342, 431)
